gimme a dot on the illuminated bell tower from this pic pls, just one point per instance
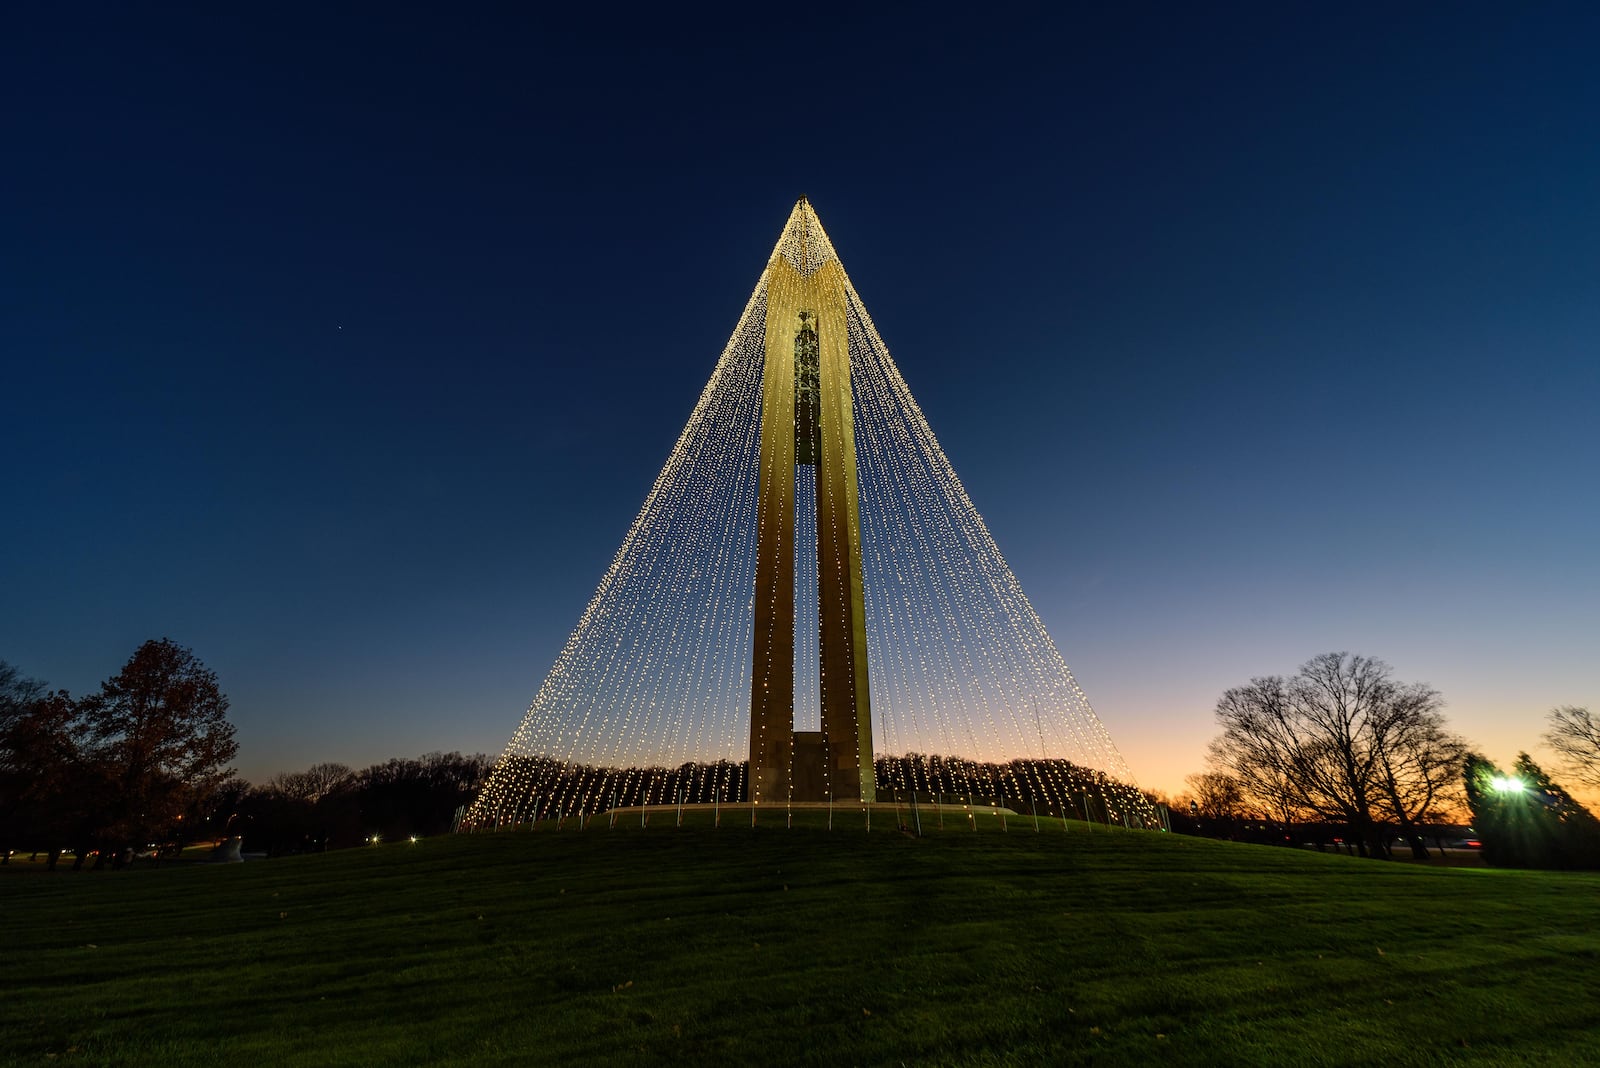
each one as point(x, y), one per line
point(807, 421)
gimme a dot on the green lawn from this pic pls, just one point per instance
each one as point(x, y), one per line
point(777, 946)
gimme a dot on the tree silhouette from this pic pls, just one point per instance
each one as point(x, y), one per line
point(39, 757)
point(1343, 742)
point(159, 735)
point(1217, 795)
point(1575, 734)
point(1525, 820)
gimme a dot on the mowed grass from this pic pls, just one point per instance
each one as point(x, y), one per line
point(802, 946)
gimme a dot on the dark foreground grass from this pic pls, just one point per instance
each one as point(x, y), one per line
point(802, 946)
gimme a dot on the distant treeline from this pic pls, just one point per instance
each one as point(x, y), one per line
point(526, 789)
point(331, 806)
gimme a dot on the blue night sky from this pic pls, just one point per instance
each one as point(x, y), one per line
point(343, 347)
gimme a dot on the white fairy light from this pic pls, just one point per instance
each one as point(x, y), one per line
point(649, 699)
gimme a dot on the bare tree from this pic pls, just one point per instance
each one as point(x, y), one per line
point(1261, 747)
point(1575, 736)
point(313, 784)
point(17, 692)
point(1217, 795)
point(1340, 741)
point(1419, 761)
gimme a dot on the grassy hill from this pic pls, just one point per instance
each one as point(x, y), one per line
point(802, 946)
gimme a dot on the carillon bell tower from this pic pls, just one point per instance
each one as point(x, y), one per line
point(807, 422)
point(805, 469)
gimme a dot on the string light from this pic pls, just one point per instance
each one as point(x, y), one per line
point(649, 699)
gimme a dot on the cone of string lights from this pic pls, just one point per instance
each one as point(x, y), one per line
point(808, 608)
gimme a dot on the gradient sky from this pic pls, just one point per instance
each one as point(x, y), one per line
point(343, 346)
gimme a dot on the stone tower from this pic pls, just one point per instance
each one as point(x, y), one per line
point(807, 421)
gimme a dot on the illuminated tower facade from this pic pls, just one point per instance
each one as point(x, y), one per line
point(808, 434)
point(806, 512)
